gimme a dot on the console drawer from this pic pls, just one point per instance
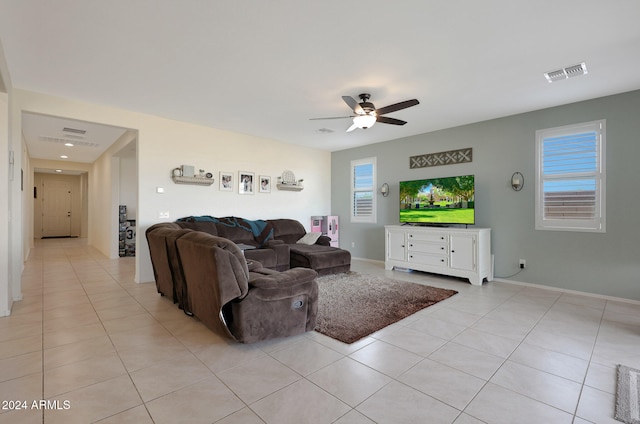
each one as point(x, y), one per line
point(428, 237)
point(426, 259)
point(433, 248)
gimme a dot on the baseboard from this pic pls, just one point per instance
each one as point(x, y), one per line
point(375, 261)
point(558, 289)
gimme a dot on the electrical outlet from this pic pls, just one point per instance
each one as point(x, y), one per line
point(523, 263)
point(353, 244)
point(163, 215)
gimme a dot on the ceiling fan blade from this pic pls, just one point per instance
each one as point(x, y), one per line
point(332, 117)
point(397, 106)
point(353, 104)
point(392, 121)
point(352, 127)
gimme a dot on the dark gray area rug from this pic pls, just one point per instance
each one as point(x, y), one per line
point(353, 305)
point(628, 395)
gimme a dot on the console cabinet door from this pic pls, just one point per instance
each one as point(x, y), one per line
point(463, 252)
point(396, 246)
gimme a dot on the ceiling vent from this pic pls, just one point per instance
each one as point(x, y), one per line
point(74, 130)
point(566, 73)
point(75, 137)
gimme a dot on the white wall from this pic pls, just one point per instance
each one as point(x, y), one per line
point(165, 144)
point(10, 197)
point(5, 245)
point(128, 177)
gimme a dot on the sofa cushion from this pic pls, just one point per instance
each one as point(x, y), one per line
point(237, 235)
point(204, 226)
point(287, 230)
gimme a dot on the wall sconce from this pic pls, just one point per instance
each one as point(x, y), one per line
point(517, 181)
point(384, 190)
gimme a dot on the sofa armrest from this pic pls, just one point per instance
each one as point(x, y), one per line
point(283, 254)
point(324, 241)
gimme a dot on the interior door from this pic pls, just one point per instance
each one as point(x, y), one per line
point(56, 209)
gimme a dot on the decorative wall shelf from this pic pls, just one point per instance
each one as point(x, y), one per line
point(290, 187)
point(203, 181)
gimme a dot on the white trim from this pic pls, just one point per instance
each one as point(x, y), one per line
point(558, 289)
point(375, 261)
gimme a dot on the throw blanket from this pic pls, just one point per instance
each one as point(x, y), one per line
point(262, 230)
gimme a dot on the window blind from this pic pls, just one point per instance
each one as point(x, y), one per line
point(363, 190)
point(570, 177)
point(570, 164)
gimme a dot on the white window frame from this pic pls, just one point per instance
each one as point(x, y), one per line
point(597, 224)
point(355, 216)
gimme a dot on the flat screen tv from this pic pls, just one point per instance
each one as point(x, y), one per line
point(438, 201)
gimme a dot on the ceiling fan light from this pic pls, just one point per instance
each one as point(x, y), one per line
point(364, 121)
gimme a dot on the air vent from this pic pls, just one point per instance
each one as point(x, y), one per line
point(67, 140)
point(565, 73)
point(75, 137)
point(324, 131)
point(74, 130)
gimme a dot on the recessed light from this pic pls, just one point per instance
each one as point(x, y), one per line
point(68, 144)
point(64, 157)
point(58, 170)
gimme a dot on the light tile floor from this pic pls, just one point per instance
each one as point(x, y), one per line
point(112, 351)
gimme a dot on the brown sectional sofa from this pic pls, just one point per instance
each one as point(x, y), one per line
point(281, 250)
point(198, 263)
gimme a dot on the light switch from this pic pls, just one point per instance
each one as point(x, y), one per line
point(159, 189)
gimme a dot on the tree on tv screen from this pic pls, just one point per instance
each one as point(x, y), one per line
point(460, 187)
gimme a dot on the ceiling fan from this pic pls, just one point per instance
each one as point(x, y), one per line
point(366, 113)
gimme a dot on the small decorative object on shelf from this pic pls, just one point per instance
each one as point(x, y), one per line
point(202, 178)
point(288, 182)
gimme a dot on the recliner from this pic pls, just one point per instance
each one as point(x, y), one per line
point(248, 306)
point(167, 268)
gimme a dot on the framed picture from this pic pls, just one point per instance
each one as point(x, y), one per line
point(265, 184)
point(246, 182)
point(226, 181)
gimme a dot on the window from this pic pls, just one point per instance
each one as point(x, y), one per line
point(363, 193)
point(570, 177)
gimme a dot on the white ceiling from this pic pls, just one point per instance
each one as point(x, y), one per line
point(50, 137)
point(265, 67)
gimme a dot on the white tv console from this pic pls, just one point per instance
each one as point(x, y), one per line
point(459, 252)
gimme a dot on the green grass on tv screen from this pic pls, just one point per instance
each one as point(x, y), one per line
point(438, 215)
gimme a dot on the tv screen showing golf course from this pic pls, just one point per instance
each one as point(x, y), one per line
point(438, 201)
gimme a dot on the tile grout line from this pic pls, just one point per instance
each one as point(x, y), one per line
point(586, 373)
